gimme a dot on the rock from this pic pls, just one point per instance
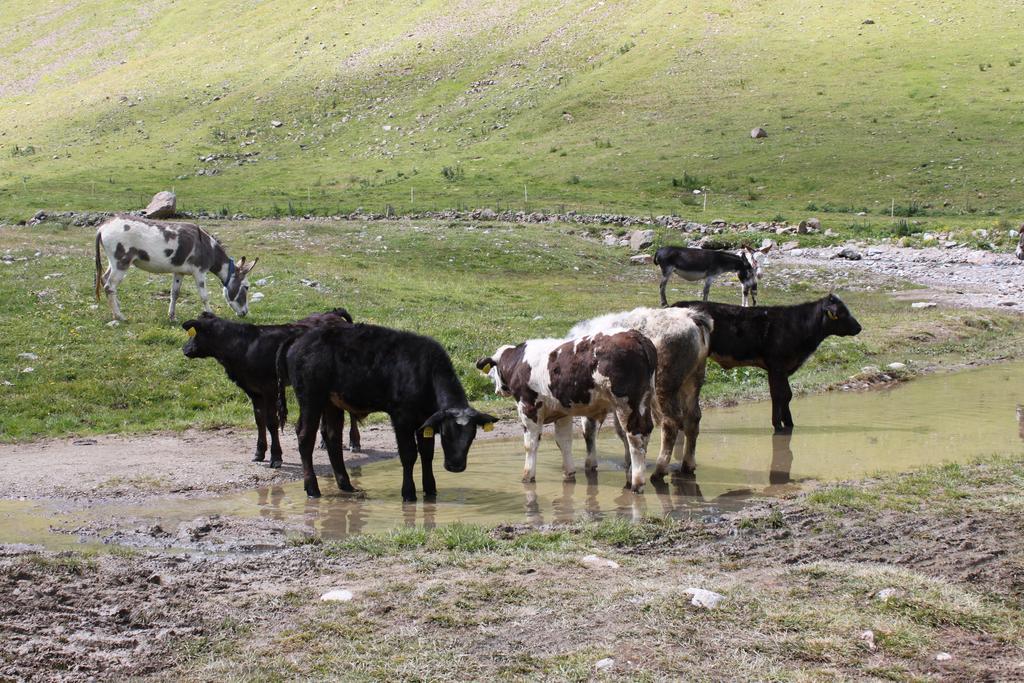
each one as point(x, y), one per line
point(258, 296)
point(704, 598)
point(869, 638)
point(943, 657)
point(162, 205)
point(605, 663)
point(848, 253)
point(758, 133)
point(28, 355)
point(276, 124)
point(719, 223)
point(802, 228)
point(610, 240)
point(923, 304)
point(26, 370)
point(262, 282)
point(113, 323)
point(84, 442)
point(868, 22)
point(892, 366)
point(814, 223)
point(488, 214)
point(337, 595)
point(595, 562)
point(641, 259)
point(887, 593)
point(641, 239)
point(790, 246)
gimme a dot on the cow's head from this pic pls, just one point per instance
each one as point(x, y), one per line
point(457, 427)
point(236, 291)
point(1020, 244)
point(837, 318)
point(757, 258)
point(201, 336)
point(489, 366)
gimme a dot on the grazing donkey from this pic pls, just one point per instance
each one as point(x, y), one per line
point(178, 248)
point(707, 264)
point(1020, 244)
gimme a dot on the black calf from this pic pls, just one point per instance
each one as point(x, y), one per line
point(366, 369)
point(778, 339)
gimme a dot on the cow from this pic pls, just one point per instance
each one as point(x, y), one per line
point(778, 339)
point(368, 368)
point(248, 353)
point(682, 339)
point(707, 264)
point(554, 380)
point(160, 247)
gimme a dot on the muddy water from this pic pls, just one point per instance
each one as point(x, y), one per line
point(838, 435)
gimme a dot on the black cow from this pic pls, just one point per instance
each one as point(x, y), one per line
point(248, 354)
point(365, 369)
point(778, 339)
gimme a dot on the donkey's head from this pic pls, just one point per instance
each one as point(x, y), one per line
point(757, 258)
point(236, 289)
point(1020, 244)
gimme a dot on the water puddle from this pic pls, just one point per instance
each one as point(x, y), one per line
point(932, 420)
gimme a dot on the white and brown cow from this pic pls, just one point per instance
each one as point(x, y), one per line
point(159, 247)
point(554, 380)
point(683, 343)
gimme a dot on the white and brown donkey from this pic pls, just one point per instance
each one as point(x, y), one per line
point(178, 248)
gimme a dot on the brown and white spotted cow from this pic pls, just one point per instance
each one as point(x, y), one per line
point(554, 380)
point(178, 248)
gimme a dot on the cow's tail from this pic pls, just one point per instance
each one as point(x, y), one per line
point(281, 364)
point(656, 262)
point(705, 324)
point(99, 266)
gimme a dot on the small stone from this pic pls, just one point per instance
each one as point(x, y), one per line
point(893, 366)
point(869, 638)
point(923, 304)
point(84, 442)
point(258, 296)
point(262, 282)
point(641, 259)
point(25, 370)
point(114, 323)
point(704, 598)
point(605, 663)
point(887, 593)
point(868, 22)
point(641, 239)
point(162, 205)
point(337, 595)
point(276, 124)
point(943, 657)
point(814, 223)
point(758, 133)
point(28, 355)
point(595, 562)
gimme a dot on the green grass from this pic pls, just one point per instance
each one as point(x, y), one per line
point(472, 286)
point(623, 106)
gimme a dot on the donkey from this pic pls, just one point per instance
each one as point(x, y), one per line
point(1020, 244)
point(178, 248)
point(707, 264)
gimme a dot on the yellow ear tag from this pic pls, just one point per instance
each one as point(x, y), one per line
point(487, 368)
point(191, 331)
point(488, 427)
point(832, 315)
point(428, 432)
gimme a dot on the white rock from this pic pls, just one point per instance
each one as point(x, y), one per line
point(28, 355)
point(886, 593)
point(704, 598)
point(276, 124)
point(923, 304)
point(28, 370)
point(257, 297)
point(895, 366)
point(337, 595)
point(262, 282)
point(641, 259)
point(595, 562)
point(114, 323)
point(943, 657)
point(869, 638)
point(605, 663)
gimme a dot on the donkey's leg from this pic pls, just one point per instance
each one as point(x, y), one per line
point(666, 273)
point(110, 287)
point(707, 286)
point(203, 294)
point(175, 288)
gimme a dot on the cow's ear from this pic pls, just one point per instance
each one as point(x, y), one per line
point(189, 323)
point(747, 247)
point(485, 364)
point(484, 421)
point(429, 427)
point(765, 250)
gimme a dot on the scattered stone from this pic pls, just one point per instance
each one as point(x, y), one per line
point(758, 133)
point(923, 304)
point(641, 239)
point(276, 124)
point(814, 223)
point(258, 296)
point(26, 370)
point(887, 593)
point(869, 638)
point(848, 253)
point(893, 366)
point(802, 228)
point(28, 355)
point(605, 663)
point(114, 323)
point(162, 205)
point(84, 442)
point(868, 22)
point(595, 562)
point(610, 240)
point(943, 657)
point(488, 214)
point(315, 284)
point(641, 259)
point(704, 598)
point(337, 595)
point(262, 282)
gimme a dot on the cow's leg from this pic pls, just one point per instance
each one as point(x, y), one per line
point(113, 279)
point(531, 442)
point(332, 426)
point(406, 440)
point(305, 430)
point(669, 432)
point(690, 404)
point(563, 437)
point(175, 289)
point(203, 294)
point(707, 286)
point(270, 416)
point(425, 446)
point(353, 435)
point(258, 409)
point(666, 273)
point(638, 433)
point(621, 433)
point(778, 386)
point(590, 430)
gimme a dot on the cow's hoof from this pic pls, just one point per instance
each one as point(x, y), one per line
point(408, 499)
point(638, 489)
point(259, 457)
point(783, 429)
point(569, 476)
point(590, 467)
point(658, 475)
point(356, 448)
point(527, 479)
point(312, 494)
point(275, 464)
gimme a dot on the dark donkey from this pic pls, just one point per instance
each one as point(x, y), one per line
point(707, 264)
point(778, 339)
point(248, 353)
point(365, 369)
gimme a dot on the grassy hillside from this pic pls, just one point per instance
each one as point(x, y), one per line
point(625, 105)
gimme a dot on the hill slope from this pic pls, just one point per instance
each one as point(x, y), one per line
point(625, 105)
